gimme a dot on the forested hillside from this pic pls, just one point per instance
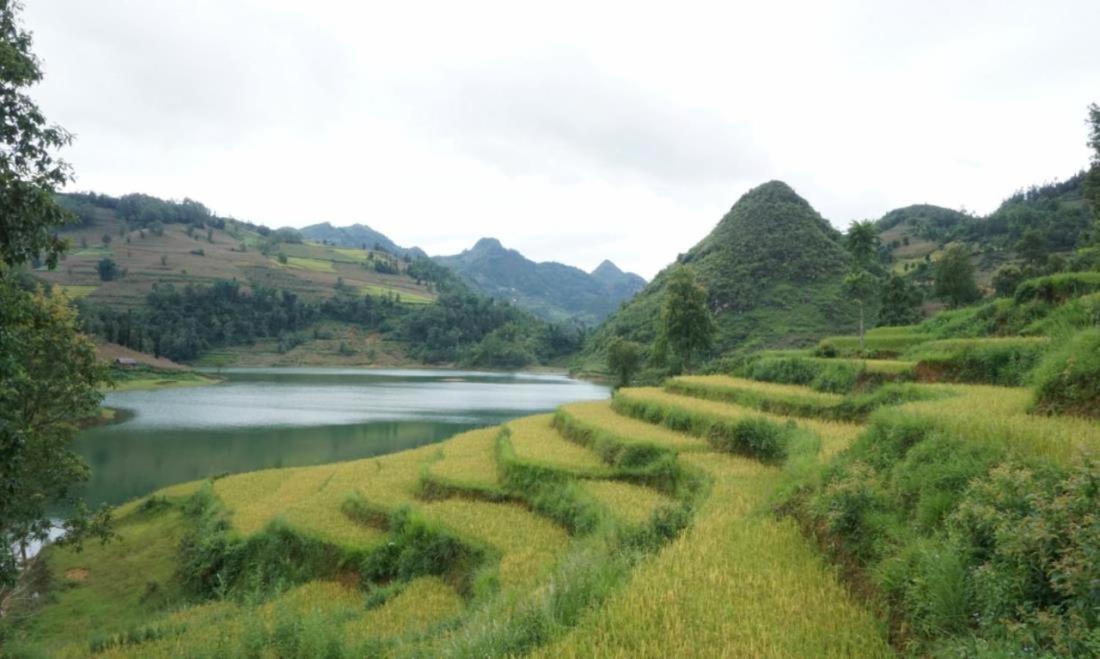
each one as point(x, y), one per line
point(1031, 227)
point(173, 279)
point(773, 269)
point(552, 291)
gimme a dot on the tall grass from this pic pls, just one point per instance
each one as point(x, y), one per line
point(727, 429)
point(1006, 361)
point(738, 581)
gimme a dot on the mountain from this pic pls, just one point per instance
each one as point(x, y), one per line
point(773, 268)
point(623, 285)
point(359, 236)
point(550, 290)
point(1056, 213)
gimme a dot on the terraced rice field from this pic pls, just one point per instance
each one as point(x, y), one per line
point(536, 440)
point(737, 578)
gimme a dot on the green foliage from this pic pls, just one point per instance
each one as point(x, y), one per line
point(1055, 212)
point(1006, 279)
point(965, 542)
point(49, 378)
point(932, 223)
point(28, 171)
point(955, 283)
point(1032, 248)
point(107, 269)
point(862, 287)
point(862, 242)
point(459, 328)
point(1002, 361)
point(836, 376)
point(1068, 380)
point(623, 359)
point(1092, 180)
point(755, 437)
point(49, 381)
point(1059, 287)
point(900, 302)
point(773, 269)
point(687, 326)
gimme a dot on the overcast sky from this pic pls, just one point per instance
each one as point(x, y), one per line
point(571, 131)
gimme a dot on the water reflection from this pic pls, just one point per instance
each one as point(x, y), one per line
point(263, 418)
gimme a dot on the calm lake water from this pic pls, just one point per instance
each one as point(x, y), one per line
point(283, 417)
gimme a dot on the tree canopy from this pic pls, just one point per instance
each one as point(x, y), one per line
point(48, 373)
point(955, 283)
point(687, 326)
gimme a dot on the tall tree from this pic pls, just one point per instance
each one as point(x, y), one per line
point(48, 374)
point(955, 283)
point(1092, 181)
point(900, 302)
point(861, 285)
point(687, 325)
point(28, 170)
point(1032, 248)
point(862, 243)
point(623, 359)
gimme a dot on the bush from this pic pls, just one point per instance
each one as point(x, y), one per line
point(758, 437)
point(1002, 361)
point(107, 269)
point(1068, 380)
point(975, 551)
point(1059, 287)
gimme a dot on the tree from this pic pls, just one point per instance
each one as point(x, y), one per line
point(901, 302)
point(28, 170)
point(623, 359)
point(862, 287)
point(862, 243)
point(107, 269)
point(1092, 180)
point(49, 378)
point(687, 326)
point(1006, 279)
point(1032, 248)
point(954, 282)
point(860, 284)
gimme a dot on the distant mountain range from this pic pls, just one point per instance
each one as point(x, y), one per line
point(552, 291)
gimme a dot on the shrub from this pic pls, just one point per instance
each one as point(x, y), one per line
point(975, 551)
point(1003, 361)
point(107, 269)
point(1068, 380)
point(755, 437)
point(1059, 287)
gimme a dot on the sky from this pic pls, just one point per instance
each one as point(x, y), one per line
point(571, 131)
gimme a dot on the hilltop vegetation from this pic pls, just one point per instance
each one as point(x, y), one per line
point(184, 283)
point(773, 269)
point(552, 291)
point(358, 236)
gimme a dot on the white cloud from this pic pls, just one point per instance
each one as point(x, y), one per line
point(571, 131)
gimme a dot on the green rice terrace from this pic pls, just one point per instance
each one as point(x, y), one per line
point(909, 498)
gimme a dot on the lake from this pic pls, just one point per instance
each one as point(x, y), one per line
point(284, 417)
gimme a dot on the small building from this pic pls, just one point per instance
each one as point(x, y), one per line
point(127, 362)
